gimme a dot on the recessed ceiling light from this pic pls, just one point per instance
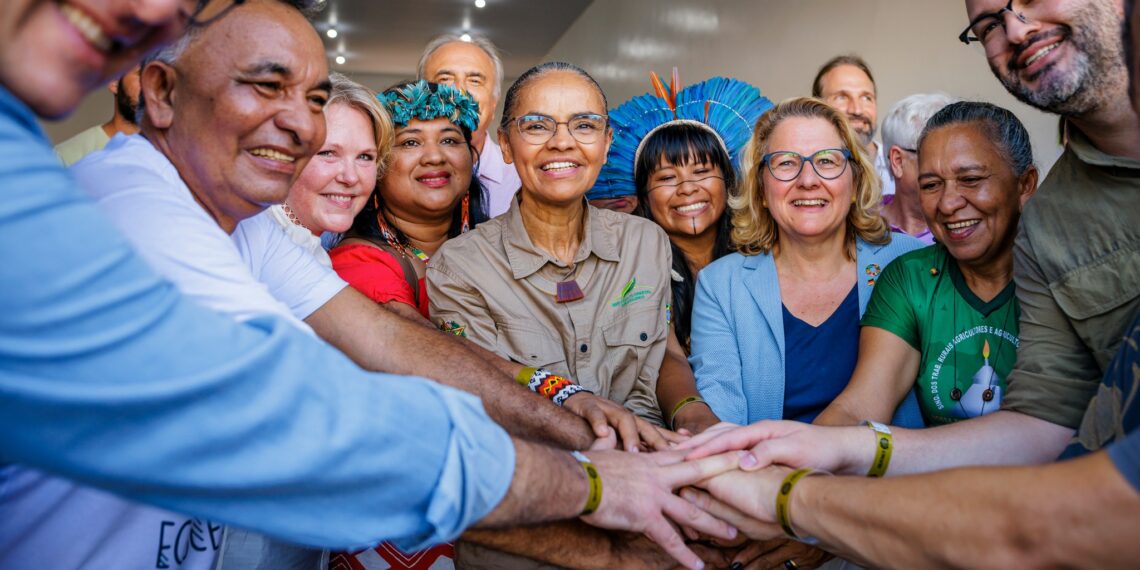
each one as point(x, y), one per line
point(332, 33)
point(340, 60)
point(465, 37)
point(480, 3)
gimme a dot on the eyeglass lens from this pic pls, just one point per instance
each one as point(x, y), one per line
point(786, 165)
point(537, 129)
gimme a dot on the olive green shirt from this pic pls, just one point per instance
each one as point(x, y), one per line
point(494, 286)
point(1077, 271)
point(82, 144)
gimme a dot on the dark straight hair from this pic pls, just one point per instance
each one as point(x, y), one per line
point(683, 144)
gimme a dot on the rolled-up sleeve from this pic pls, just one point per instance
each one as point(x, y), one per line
point(109, 377)
point(1055, 375)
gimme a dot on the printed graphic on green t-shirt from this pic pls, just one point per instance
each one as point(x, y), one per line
point(968, 346)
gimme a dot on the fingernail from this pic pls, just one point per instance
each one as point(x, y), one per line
point(689, 496)
point(736, 566)
point(700, 565)
point(747, 460)
point(732, 532)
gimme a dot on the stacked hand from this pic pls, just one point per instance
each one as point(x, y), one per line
point(638, 496)
point(614, 425)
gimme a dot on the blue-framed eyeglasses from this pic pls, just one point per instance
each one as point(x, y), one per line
point(785, 165)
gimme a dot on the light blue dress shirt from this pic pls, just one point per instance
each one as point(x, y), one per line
point(738, 332)
point(109, 377)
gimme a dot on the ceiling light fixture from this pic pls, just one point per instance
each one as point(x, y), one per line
point(332, 33)
point(480, 3)
point(340, 60)
point(465, 37)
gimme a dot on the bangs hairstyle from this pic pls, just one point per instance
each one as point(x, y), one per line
point(348, 92)
point(682, 144)
point(754, 231)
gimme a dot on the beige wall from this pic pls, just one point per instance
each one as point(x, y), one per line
point(911, 46)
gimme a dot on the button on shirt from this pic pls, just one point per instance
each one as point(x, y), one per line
point(494, 286)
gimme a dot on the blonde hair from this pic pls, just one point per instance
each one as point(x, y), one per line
point(754, 231)
point(345, 91)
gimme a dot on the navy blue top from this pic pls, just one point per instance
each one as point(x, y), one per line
point(819, 361)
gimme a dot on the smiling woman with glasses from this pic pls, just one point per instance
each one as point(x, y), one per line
point(776, 325)
point(579, 296)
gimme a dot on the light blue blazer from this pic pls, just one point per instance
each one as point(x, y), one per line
point(738, 332)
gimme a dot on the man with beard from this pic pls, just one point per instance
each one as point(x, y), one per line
point(126, 92)
point(845, 82)
point(1077, 268)
point(1077, 261)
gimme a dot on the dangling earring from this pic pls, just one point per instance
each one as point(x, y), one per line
point(764, 202)
point(375, 202)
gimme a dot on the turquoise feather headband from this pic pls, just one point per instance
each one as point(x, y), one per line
point(427, 101)
point(729, 108)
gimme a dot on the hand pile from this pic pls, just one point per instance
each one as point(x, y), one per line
point(728, 477)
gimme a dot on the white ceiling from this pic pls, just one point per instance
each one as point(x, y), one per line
point(385, 37)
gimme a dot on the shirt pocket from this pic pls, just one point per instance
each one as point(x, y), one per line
point(629, 339)
point(1092, 297)
point(527, 344)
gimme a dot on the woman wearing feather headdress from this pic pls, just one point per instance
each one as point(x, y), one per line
point(675, 152)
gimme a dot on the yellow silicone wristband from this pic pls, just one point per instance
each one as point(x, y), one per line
point(677, 408)
point(884, 445)
point(523, 377)
point(595, 497)
point(784, 497)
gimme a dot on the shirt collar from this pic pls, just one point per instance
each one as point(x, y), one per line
point(1089, 154)
point(525, 258)
point(491, 166)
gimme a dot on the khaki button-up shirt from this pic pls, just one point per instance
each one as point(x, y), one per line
point(494, 286)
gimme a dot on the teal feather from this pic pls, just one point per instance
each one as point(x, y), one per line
point(417, 101)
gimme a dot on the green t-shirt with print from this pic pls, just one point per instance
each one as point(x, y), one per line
point(968, 346)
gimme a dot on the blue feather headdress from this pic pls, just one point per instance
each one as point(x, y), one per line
point(727, 107)
point(420, 101)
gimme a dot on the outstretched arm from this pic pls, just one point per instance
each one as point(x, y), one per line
point(379, 339)
point(1080, 514)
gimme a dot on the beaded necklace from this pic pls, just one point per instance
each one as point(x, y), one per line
point(390, 237)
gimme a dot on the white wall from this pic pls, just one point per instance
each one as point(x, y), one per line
point(911, 46)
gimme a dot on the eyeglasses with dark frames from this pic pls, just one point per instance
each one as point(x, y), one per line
point(194, 19)
point(785, 165)
point(982, 27)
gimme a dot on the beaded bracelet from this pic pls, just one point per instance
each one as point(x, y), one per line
point(595, 497)
point(552, 386)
